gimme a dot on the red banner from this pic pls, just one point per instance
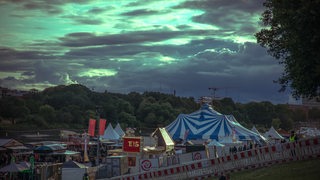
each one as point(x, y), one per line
point(92, 126)
point(131, 144)
point(102, 126)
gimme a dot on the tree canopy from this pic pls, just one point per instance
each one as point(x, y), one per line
point(72, 106)
point(292, 36)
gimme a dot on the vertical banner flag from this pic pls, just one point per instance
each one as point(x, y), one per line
point(102, 126)
point(92, 125)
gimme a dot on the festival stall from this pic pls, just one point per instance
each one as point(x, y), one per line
point(73, 170)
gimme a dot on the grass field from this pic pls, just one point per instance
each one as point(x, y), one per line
point(300, 170)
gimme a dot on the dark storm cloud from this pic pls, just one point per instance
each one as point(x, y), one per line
point(48, 6)
point(138, 52)
point(10, 53)
point(219, 69)
point(246, 6)
point(138, 3)
point(90, 39)
point(176, 51)
point(235, 70)
point(232, 15)
point(46, 72)
point(140, 12)
point(28, 73)
point(50, 9)
point(110, 51)
point(84, 20)
point(97, 10)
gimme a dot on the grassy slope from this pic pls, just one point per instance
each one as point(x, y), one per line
point(304, 170)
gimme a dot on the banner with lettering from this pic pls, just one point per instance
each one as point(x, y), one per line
point(102, 126)
point(92, 125)
point(131, 144)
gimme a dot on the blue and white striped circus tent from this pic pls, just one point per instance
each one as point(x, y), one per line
point(207, 123)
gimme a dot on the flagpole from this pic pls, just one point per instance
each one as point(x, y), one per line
point(98, 135)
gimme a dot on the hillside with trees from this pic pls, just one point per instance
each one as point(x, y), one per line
point(71, 107)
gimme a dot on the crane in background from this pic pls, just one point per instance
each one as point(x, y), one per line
point(213, 92)
point(213, 96)
point(209, 99)
point(215, 89)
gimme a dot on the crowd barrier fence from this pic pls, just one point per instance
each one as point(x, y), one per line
point(250, 159)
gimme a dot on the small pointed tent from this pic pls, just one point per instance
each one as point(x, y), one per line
point(110, 133)
point(207, 123)
point(119, 130)
point(254, 129)
point(272, 134)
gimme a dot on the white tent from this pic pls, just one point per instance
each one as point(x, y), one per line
point(119, 130)
point(254, 129)
point(215, 149)
point(214, 143)
point(110, 134)
point(272, 134)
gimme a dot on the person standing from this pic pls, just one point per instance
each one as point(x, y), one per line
point(293, 137)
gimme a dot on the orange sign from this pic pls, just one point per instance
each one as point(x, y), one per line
point(131, 144)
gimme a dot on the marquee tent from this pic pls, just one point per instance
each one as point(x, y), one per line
point(207, 123)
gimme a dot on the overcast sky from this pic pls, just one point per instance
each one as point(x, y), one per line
point(139, 45)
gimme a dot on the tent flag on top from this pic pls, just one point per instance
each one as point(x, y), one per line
point(206, 123)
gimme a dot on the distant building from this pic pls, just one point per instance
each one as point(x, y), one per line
point(305, 105)
point(311, 103)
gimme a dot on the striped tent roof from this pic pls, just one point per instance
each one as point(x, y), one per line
point(206, 123)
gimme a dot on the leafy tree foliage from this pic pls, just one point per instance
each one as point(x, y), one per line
point(72, 106)
point(293, 37)
point(276, 123)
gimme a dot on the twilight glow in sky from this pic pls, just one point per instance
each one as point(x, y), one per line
point(138, 45)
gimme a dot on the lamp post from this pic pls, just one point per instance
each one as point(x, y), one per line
point(98, 108)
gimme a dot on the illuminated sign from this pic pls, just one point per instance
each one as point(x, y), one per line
point(131, 144)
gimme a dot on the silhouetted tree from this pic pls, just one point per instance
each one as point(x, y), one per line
point(292, 35)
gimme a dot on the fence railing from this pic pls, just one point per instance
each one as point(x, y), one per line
point(253, 158)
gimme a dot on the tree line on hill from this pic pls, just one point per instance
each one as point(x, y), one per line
point(71, 107)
